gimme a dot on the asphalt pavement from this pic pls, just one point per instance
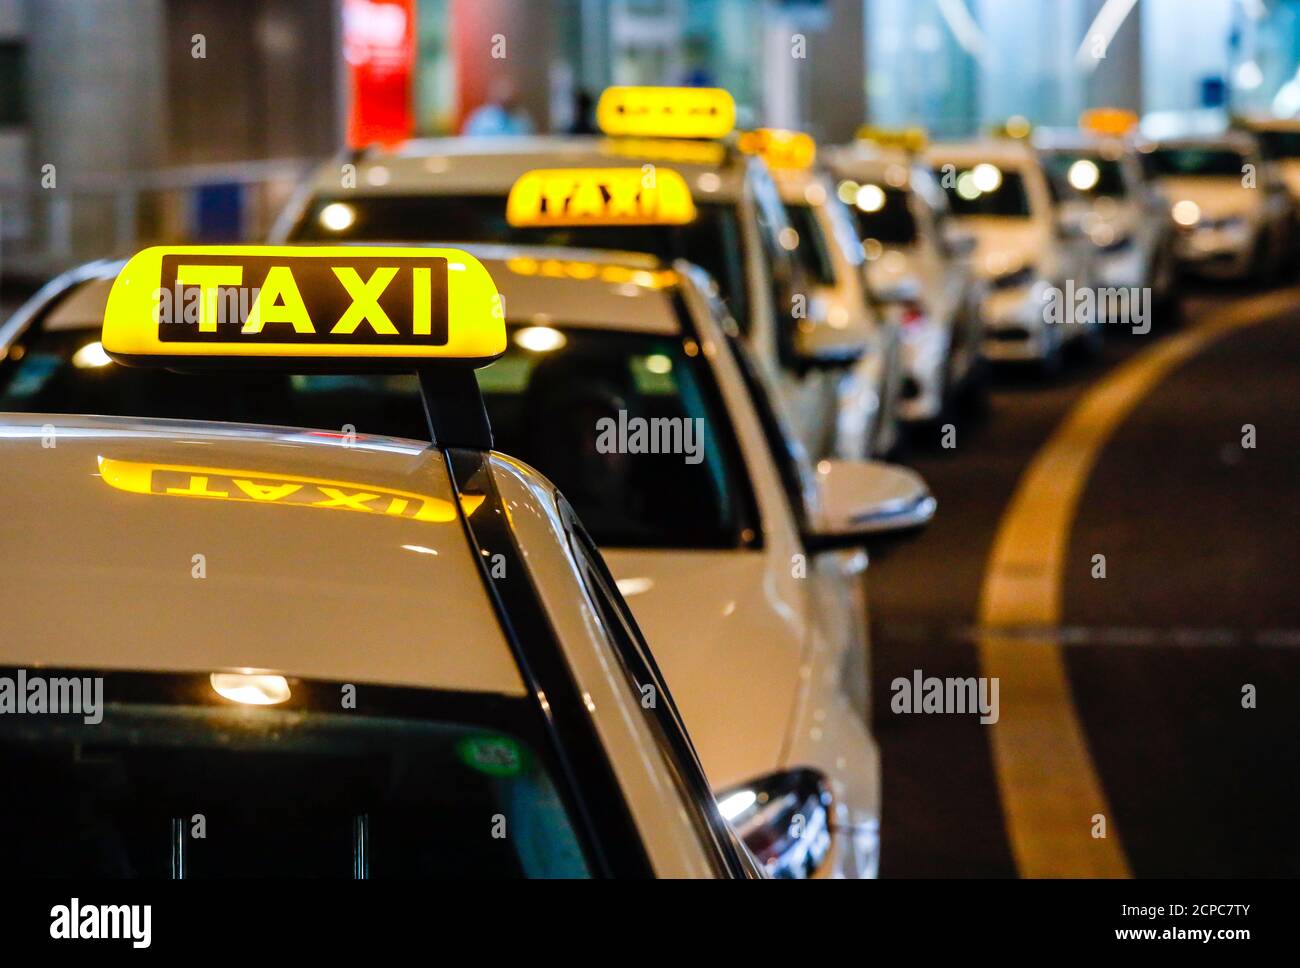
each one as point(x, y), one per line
point(1182, 662)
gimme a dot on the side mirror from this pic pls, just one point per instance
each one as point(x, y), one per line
point(1069, 229)
point(868, 504)
point(785, 821)
point(817, 341)
point(960, 244)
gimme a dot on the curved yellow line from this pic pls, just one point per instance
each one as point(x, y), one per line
point(1049, 786)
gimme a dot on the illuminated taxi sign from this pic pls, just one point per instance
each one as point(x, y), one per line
point(666, 112)
point(1111, 122)
point(600, 196)
point(1017, 128)
point(260, 487)
point(379, 306)
point(787, 150)
point(907, 139)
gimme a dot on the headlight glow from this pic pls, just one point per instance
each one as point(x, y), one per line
point(1186, 213)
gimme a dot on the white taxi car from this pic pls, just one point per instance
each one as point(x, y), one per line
point(1279, 145)
point(642, 188)
point(828, 248)
point(1033, 265)
point(1105, 195)
point(1232, 211)
point(619, 383)
point(436, 677)
point(919, 269)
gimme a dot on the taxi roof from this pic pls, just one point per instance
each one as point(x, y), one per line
point(1075, 139)
point(1255, 122)
point(1232, 140)
point(100, 533)
point(1002, 152)
point(490, 165)
point(586, 288)
point(864, 161)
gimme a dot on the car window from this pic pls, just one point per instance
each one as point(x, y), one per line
point(812, 247)
point(712, 241)
point(630, 426)
point(792, 464)
point(984, 189)
point(882, 213)
point(177, 781)
point(1086, 173)
point(1194, 162)
point(1278, 144)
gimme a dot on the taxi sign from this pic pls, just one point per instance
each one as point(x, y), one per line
point(351, 306)
point(666, 112)
point(600, 196)
point(907, 139)
point(1112, 122)
point(781, 149)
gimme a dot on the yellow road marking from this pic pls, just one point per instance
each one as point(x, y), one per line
point(1049, 786)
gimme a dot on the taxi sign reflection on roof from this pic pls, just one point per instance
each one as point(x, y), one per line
point(384, 307)
point(781, 149)
point(600, 196)
point(262, 487)
point(906, 139)
point(666, 112)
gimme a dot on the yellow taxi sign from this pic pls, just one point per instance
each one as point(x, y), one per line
point(1111, 122)
point(368, 306)
point(600, 196)
point(907, 139)
point(666, 112)
point(781, 149)
point(1017, 128)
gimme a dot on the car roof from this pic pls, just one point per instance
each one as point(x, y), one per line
point(583, 288)
point(1074, 139)
point(863, 160)
point(1232, 140)
point(1002, 152)
point(1260, 123)
point(489, 166)
point(101, 535)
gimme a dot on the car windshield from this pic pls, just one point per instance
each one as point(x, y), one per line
point(629, 426)
point(984, 189)
point(1086, 173)
point(1279, 144)
point(174, 780)
point(882, 213)
point(712, 241)
point(1195, 162)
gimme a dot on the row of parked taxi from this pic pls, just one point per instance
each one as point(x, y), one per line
point(602, 418)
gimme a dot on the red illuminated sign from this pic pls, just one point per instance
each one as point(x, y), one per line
point(379, 47)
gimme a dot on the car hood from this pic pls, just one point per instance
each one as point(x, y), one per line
point(1004, 245)
point(888, 270)
point(729, 652)
point(1217, 198)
